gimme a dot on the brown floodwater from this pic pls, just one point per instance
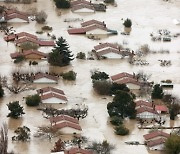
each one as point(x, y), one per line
point(146, 18)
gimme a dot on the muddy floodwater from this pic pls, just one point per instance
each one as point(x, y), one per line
point(146, 16)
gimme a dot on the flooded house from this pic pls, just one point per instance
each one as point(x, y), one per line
point(128, 79)
point(65, 124)
point(142, 103)
point(146, 113)
point(43, 78)
point(75, 150)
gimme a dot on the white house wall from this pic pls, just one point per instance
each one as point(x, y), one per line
point(157, 147)
point(112, 56)
point(17, 20)
point(54, 100)
point(69, 130)
point(146, 115)
point(84, 10)
point(97, 32)
point(133, 86)
point(44, 80)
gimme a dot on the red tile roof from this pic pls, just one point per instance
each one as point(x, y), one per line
point(155, 134)
point(13, 16)
point(162, 108)
point(63, 118)
point(92, 22)
point(127, 80)
point(121, 75)
point(26, 39)
point(44, 75)
point(156, 142)
point(50, 89)
point(14, 11)
point(109, 50)
point(81, 6)
point(51, 95)
point(105, 45)
point(77, 151)
point(19, 35)
point(27, 52)
point(96, 26)
point(77, 2)
point(67, 124)
point(143, 103)
point(46, 43)
point(76, 31)
point(146, 109)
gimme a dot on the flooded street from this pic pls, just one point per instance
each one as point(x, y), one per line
point(146, 18)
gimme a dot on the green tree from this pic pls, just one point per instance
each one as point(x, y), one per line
point(122, 105)
point(172, 144)
point(33, 100)
point(121, 130)
point(23, 134)
point(174, 110)
point(60, 55)
point(157, 92)
point(102, 87)
point(115, 87)
point(64, 4)
point(1, 91)
point(97, 75)
point(71, 75)
point(15, 110)
point(116, 121)
point(127, 23)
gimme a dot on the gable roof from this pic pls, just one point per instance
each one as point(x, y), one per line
point(77, 151)
point(27, 52)
point(105, 45)
point(162, 108)
point(76, 31)
point(44, 75)
point(109, 50)
point(127, 80)
point(155, 134)
point(50, 89)
point(91, 22)
point(156, 142)
point(143, 103)
point(26, 39)
point(67, 124)
point(51, 95)
point(81, 6)
point(121, 75)
point(14, 11)
point(146, 109)
point(21, 34)
point(20, 16)
point(77, 2)
point(62, 118)
point(46, 43)
point(96, 26)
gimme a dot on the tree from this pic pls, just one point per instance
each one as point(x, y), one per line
point(157, 92)
point(121, 130)
point(81, 55)
point(174, 110)
point(127, 23)
point(16, 109)
point(60, 55)
point(97, 75)
point(102, 87)
point(33, 100)
point(23, 134)
point(101, 148)
point(71, 75)
point(122, 105)
point(115, 87)
point(172, 144)
point(59, 146)
point(1, 91)
point(116, 121)
point(65, 4)
point(41, 17)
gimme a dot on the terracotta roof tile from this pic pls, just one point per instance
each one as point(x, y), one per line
point(13, 16)
point(76, 31)
point(19, 35)
point(96, 26)
point(51, 95)
point(146, 109)
point(127, 80)
point(105, 45)
point(162, 108)
point(50, 89)
point(109, 50)
point(77, 151)
point(156, 142)
point(92, 22)
point(44, 75)
point(81, 6)
point(121, 75)
point(143, 103)
point(63, 118)
point(155, 134)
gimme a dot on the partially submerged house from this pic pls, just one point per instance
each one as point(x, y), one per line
point(52, 97)
point(65, 124)
point(78, 151)
point(146, 113)
point(128, 79)
point(142, 103)
point(29, 54)
point(92, 27)
point(161, 109)
point(44, 78)
point(155, 140)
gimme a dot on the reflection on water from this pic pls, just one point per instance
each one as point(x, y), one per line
point(96, 126)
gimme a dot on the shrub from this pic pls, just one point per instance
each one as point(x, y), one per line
point(46, 28)
point(102, 87)
point(127, 23)
point(71, 75)
point(109, 1)
point(28, 46)
point(145, 49)
point(115, 87)
point(34, 63)
point(33, 100)
point(115, 120)
point(81, 55)
point(41, 17)
point(19, 59)
point(65, 4)
point(97, 75)
point(39, 32)
point(121, 130)
point(1, 91)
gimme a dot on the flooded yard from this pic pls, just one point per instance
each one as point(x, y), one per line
point(146, 17)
